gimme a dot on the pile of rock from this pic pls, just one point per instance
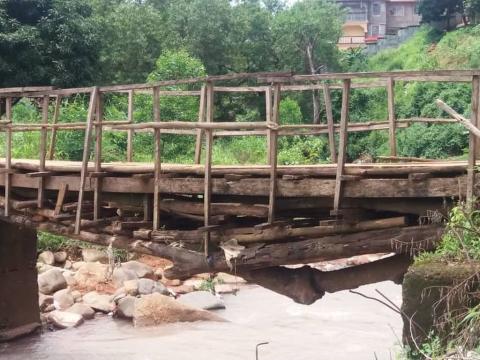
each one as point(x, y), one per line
point(72, 292)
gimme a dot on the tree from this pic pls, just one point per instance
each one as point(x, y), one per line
point(306, 37)
point(46, 42)
point(441, 10)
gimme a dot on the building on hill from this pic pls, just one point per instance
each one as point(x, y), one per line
point(368, 21)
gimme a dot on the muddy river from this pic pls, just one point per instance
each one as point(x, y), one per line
point(340, 326)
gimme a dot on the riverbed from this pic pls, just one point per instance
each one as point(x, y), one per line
point(339, 326)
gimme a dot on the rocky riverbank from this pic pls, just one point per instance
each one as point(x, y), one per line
point(72, 292)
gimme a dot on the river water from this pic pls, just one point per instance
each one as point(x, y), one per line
point(339, 326)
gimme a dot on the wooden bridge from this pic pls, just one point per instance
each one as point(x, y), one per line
point(251, 220)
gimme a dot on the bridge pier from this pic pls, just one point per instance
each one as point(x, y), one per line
point(19, 311)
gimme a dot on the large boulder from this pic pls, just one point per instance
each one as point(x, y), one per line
point(126, 307)
point(64, 320)
point(81, 309)
point(63, 299)
point(51, 281)
point(157, 309)
point(46, 257)
point(202, 300)
point(141, 270)
point(90, 274)
point(131, 287)
point(121, 274)
point(148, 286)
point(94, 255)
point(98, 302)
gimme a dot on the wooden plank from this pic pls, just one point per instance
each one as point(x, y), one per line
point(342, 145)
point(474, 130)
point(157, 161)
point(56, 114)
point(8, 155)
point(39, 174)
point(86, 156)
point(61, 198)
point(391, 116)
point(207, 193)
point(43, 152)
point(97, 195)
point(272, 154)
point(201, 118)
point(131, 132)
point(330, 122)
point(472, 147)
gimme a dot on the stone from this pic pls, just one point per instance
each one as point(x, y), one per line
point(67, 265)
point(77, 265)
point(162, 289)
point(94, 255)
point(224, 278)
point(51, 281)
point(50, 308)
point(202, 300)
point(119, 294)
point(90, 274)
point(174, 282)
point(157, 309)
point(70, 278)
point(44, 301)
point(85, 311)
point(159, 273)
point(146, 286)
point(196, 283)
point(63, 299)
point(126, 307)
point(60, 257)
point(131, 287)
point(98, 302)
point(120, 275)
point(225, 289)
point(77, 295)
point(41, 267)
point(64, 319)
point(46, 257)
point(182, 289)
point(141, 270)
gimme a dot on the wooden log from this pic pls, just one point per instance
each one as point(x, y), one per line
point(8, 155)
point(157, 161)
point(268, 118)
point(306, 285)
point(201, 118)
point(97, 194)
point(344, 117)
point(131, 132)
point(330, 122)
point(277, 232)
point(39, 174)
point(391, 116)
point(43, 152)
point(53, 139)
point(273, 153)
point(61, 199)
point(86, 156)
point(197, 208)
point(399, 240)
point(469, 124)
point(207, 193)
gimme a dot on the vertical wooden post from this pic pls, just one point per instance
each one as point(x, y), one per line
point(268, 116)
point(272, 154)
point(342, 146)
point(207, 194)
point(8, 154)
point(130, 132)
point(98, 157)
point(43, 151)
point(201, 118)
point(331, 126)
point(391, 117)
point(472, 148)
point(86, 156)
point(56, 114)
point(158, 160)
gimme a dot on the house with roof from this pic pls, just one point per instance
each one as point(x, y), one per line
point(368, 21)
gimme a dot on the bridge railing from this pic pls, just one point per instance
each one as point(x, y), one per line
point(205, 128)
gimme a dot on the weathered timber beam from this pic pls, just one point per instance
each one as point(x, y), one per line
point(398, 240)
point(309, 187)
point(306, 285)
